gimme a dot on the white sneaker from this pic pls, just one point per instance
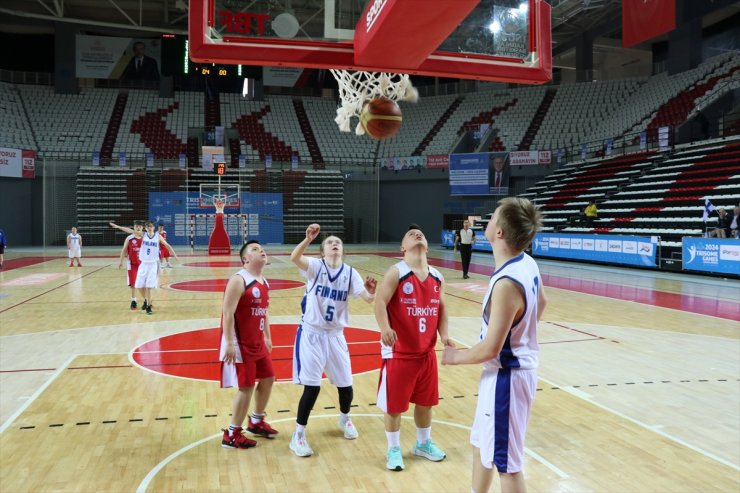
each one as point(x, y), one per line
point(350, 432)
point(299, 445)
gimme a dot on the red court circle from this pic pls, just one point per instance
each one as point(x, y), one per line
point(219, 285)
point(214, 263)
point(194, 354)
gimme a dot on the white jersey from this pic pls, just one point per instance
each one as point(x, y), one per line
point(520, 349)
point(325, 303)
point(149, 251)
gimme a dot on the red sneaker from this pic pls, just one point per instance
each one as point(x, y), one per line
point(262, 429)
point(71, 264)
point(237, 440)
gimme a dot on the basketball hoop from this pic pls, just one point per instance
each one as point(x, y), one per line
point(219, 204)
point(356, 88)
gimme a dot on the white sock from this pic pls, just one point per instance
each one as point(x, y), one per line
point(300, 429)
point(256, 418)
point(133, 299)
point(394, 438)
point(232, 428)
point(423, 434)
point(343, 418)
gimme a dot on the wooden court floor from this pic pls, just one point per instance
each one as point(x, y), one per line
point(639, 385)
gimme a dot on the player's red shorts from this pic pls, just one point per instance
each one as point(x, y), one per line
point(247, 373)
point(408, 380)
point(163, 252)
point(132, 274)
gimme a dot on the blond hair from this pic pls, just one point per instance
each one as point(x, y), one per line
point(520, 220)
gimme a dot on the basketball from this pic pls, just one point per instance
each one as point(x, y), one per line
point(381, 118)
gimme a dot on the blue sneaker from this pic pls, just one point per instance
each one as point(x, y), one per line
point(428, 450)
point(394, 459)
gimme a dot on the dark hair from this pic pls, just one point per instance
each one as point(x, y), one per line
point(161, 224)
point(250, 242)
point(138, 223)
point(138, 43)
point(413, 226)
point(147, 223)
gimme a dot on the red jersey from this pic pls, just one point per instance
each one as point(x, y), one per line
point(413, 312)
point(163, 252)
point(250, 318)
point(134, 245)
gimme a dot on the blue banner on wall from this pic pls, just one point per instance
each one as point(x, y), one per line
point(482, 173)
point(481, 243)
point(625, 250)
point(264, 217)
point(711, 255)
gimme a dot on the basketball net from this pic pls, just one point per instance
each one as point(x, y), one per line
point(357, 88)
point(219, 204)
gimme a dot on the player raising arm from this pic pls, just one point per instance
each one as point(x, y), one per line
point(320, 345)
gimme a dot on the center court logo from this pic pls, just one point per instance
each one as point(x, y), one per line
point(408, 288)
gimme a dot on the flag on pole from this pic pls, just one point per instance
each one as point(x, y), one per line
point(708, 207)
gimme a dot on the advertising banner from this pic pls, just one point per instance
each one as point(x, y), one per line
point(711, 255)
point(613, 249)
point(17, 163)
point(438, 161)
point(107, 57)
point(481, 243)
point(663, 140)
point(265, 212)
point(281, 76)
point(484, 173)
point(519, 158)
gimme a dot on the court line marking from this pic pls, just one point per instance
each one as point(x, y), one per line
point(53, 289)
point(216, 349)
point(586, 397)
point(36, 394)
point(144, 485)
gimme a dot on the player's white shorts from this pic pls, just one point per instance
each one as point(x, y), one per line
point(321, 351)
point(505, 400)
point(74, 252)
point(148, 275)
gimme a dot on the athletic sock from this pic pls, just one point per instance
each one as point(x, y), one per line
point(394, 438)
point(423, 434)
point(256, 418)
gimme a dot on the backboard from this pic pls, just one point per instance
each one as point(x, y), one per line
point(497, 40)
point(211, 192)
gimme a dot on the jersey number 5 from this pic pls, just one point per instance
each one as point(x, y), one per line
point(329, 313)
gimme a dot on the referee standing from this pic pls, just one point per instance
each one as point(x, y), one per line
point(465, 239)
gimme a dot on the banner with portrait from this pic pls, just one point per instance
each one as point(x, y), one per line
point(107, 57)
